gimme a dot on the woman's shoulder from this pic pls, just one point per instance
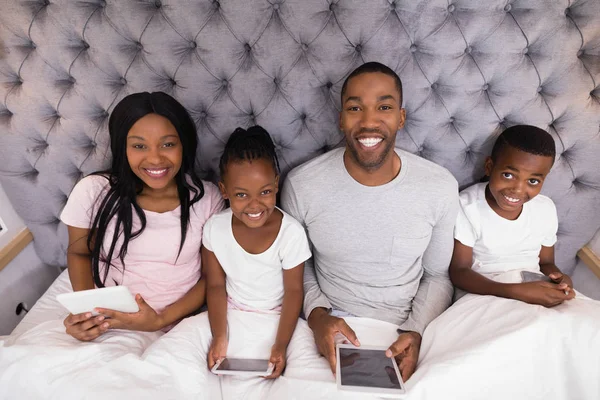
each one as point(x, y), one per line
point(91, 185)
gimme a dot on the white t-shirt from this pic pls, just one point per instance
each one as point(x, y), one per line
point(501, 245)
point(256, 280)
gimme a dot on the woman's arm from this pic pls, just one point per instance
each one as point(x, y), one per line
point(190, 302)
point(290, 312)
point(79, 262)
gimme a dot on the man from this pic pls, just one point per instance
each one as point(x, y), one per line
point(380, 222)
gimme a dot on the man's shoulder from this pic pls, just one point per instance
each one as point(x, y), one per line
point(316, 167)
point(431, 174)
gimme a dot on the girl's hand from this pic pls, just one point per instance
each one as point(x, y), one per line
point(145, 320)
point(277, 359)
point(84, 327)
point(217, 351)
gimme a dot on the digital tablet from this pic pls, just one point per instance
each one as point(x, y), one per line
point(116, 298)
point(529, 276)
point(242, 366)
point(367, 369)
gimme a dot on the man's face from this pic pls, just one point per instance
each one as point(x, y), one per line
point(371, 114)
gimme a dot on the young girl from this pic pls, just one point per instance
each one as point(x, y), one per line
point(505, 227)
point(139, 224)
point(254, 252)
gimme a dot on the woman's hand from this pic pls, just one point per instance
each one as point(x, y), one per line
point(217, 351)
point(84, 327)
point(145, 320)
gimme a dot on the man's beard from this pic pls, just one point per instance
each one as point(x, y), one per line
point(372, 164)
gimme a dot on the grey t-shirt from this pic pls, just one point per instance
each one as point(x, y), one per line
point(381, 252)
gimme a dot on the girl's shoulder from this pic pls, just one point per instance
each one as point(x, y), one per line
point(291, 224)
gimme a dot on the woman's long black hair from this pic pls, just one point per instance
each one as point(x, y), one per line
point(124, 186)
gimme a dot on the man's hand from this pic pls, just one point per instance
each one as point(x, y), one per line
point(145, 320)
point(84, 327)
point(543, 293)
point(406, 351)
point(324, 328)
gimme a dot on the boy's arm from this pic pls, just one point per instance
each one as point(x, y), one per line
point(542, 293)
point(550, 269)
point(79, 262)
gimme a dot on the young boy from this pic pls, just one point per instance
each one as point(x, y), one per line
point(505, 230)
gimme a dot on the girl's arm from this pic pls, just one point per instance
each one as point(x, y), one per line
point(463, 277)
point(290, 312)
point(216, 296)
point(190, 302)
point(79, 262)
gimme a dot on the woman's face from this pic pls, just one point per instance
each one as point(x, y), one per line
point(154, 151)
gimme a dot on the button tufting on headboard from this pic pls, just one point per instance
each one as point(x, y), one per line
point(469, 69)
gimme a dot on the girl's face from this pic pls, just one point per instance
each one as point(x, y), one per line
point(154, 151)
point(251, 188)
point(515, 178)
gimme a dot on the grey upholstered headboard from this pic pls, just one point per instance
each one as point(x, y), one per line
point(469, 68)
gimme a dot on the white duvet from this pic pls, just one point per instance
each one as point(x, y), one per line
point(481, 348)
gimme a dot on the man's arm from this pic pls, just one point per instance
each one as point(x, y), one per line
point(313, 296)
point(435, 289)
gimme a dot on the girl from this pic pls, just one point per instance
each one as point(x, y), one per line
point(139, 224)
point(504, 227)
point(254, 252)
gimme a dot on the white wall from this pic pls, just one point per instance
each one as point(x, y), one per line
point(10, 219)
point(25, 278)
point(584, 279)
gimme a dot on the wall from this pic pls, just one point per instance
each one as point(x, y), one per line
point(584, 279)
point(25, 278)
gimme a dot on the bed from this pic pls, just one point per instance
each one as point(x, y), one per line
point(469, 70)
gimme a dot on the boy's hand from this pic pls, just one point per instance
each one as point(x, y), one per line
point(145, 320)
point(84, 327)
point(559, 277)
point(277, 359)
point(217, 351)
point(543, 293)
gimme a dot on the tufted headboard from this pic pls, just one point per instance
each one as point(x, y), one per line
point(469, 69)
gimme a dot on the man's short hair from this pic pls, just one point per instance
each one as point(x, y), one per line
point(527, 138)
point(374, 67)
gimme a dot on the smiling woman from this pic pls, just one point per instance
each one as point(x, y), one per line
point(150, 195)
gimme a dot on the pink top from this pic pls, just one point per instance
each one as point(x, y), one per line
point(152, 268)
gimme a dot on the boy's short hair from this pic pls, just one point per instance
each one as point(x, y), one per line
point(371, 67)
point(527, 138)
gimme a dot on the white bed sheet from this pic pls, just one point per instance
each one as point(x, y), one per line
point(481, 348)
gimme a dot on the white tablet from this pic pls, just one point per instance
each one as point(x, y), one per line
point(116, 298)
point(242, 366)
point(367, 369)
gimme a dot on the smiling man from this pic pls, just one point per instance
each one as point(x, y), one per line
point(380, 221)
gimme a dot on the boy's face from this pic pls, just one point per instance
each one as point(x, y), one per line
point(515, 178)
point(251, 188)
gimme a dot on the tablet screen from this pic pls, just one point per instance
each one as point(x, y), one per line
point(367, 368)
point(243, 364)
